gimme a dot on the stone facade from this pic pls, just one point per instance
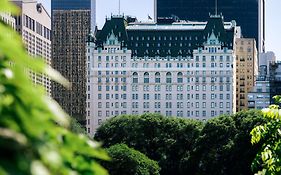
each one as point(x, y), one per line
point(121, 80)
point(246, 70)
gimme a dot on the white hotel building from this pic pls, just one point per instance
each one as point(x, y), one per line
point(183, 69)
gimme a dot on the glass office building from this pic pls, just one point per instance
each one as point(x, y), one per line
point(71, 4)
point(72, 21)
point(76, 5)
point(249, 14)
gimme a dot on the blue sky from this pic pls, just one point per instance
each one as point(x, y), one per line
point(142, 8)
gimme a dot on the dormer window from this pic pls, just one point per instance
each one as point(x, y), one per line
point(111, 42)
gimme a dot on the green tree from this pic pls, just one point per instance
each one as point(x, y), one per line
point(129, 161)
point(33, 138)
point(215, 145)
point(224, 146)
point(76, 127)
point(268, 160)
point(244, 152)
point(164, 139)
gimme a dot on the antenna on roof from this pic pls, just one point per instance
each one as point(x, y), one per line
point(216, 7)
point(119, 7)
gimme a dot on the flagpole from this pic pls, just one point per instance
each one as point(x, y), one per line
point(216, 7)
point(119, 7)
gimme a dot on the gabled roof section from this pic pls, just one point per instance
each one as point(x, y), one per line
point(215, 25)
point(115, 25)
point(213, 40)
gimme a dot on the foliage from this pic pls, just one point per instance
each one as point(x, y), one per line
point(268, 159)
point(129, 161)
point(215, 145)
point(224, 144)
point(32, 138)
point(76, 127)
point(182, 146)
point(163, 139)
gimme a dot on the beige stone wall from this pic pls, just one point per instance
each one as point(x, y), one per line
point(246, 70)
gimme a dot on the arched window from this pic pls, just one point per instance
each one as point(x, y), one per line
point(146, 77)
point(180, 77)
point(157, 77)
point(135, 77)
point(168, 77)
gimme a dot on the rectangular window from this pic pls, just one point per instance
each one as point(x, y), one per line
point(204, 105)
point(157, 88)
point(169, 88)
point(228, 87)
point(204, 96)
point(228, 105)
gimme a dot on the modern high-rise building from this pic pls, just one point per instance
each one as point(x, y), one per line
point(275, 80)
point(71, 24)
point(249, 14)
point(246, 70)
point(7, 18)
point(267, 83)
point(34, 25)
point(77, 5)
point(184, 69)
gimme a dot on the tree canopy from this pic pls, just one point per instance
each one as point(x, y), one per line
point(129, 161)
point(183, 146)
point(162, 139)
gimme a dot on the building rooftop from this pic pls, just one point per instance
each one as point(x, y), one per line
point(178, 38)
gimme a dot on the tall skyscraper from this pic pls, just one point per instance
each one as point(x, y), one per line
point(249, 14)
point(77, 5)
point(34, 25)
point(71, 24)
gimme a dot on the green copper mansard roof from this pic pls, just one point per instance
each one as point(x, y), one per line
point(175, 39)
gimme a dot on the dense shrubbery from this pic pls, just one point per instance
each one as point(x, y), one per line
point(32, 139)
point(129, 161)
point(182, 146)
